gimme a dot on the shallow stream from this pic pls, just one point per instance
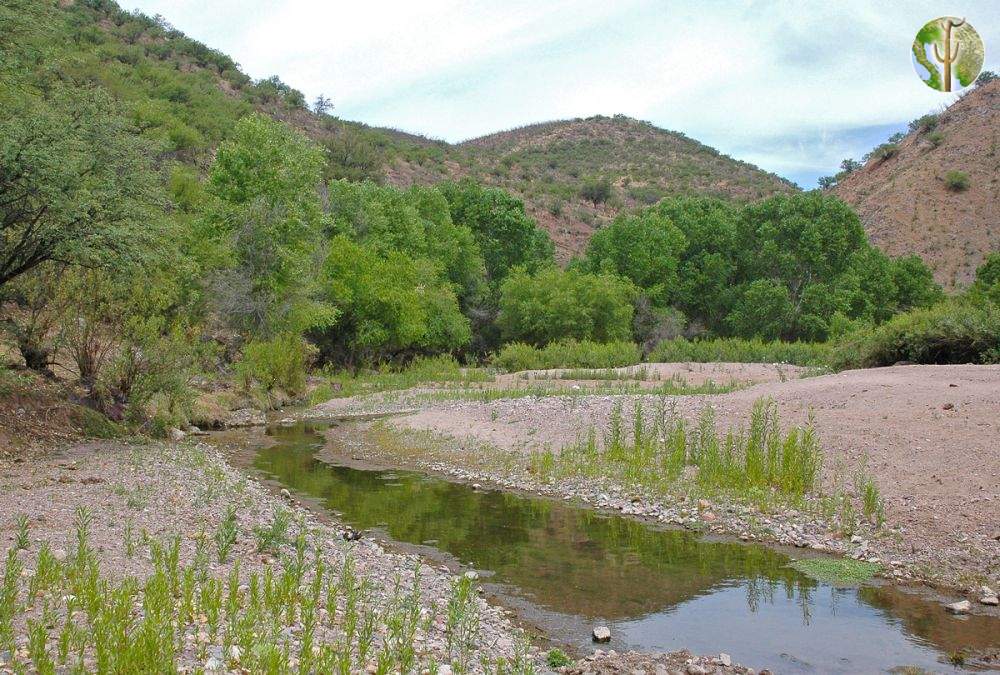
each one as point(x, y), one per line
point(566, 569)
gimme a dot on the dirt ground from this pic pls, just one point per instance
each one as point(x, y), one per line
point(930, 436)
point(650, 375)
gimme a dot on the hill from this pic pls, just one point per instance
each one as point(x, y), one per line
point(549, 164)
point(188, 96)
point(903, 195)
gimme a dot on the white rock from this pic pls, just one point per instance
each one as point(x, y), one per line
point(213, 664)
point(695, 669)
point(991, 600)
point(725, 659)
point(176, 435)
point(59, 554)
point(472, 575)
point(444, 670)
point(960, 607)
point(601, 634)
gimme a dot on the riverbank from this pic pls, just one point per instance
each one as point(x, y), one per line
point(927, 435)
point(256, 581)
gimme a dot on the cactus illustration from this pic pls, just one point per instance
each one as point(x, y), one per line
point(950, 55)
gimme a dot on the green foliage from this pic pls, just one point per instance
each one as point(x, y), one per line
point(390, 305)
point(506, 236)
point(422, 370)
point(936, 138)
point(883, 152)
point(644, 249)
point(353, 155)
point(954, 331)
point(553, 304)
point(278, 363)
point(739, 350)
point(764, 310)
point(957, 181)
point(266, 222)
point(76, 183)
point(757, 461)
point(925, 123)
point(596, 190)
point(566, 354)
point(557, 658)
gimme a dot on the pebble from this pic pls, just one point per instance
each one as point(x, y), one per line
point(695, 669)
point(960, 607)
point(601, 634)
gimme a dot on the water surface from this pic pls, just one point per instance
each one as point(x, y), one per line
point(569, 568)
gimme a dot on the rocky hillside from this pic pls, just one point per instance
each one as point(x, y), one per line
point(913, 200)
point(550, 165)
point(189, 96)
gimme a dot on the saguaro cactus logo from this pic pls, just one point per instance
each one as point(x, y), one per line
point(948, 53)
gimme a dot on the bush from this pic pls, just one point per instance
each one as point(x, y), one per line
point(279, 363)
point(737, 350)
point(954, 331)
point(925, 123)
point(935, 138)
point(597, 190)
point(566, 354)
point(956, 181)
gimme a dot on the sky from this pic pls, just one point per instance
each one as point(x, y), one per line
point(793, 87)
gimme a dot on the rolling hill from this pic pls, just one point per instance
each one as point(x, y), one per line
point(905, 201)
point(188, 96)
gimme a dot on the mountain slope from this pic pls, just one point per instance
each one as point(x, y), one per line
point(548, 164)
point(906, 205)
point(189, 96)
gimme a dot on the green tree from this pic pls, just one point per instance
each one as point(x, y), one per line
point(77, 185)
point(267, 223)
point(354, 157)
point(554, 304)
point(506, 236)
point(708, 261)
point(643, 248)
point(763, 309)
point(389, 303)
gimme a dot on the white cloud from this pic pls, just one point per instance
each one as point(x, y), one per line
point(773, 82)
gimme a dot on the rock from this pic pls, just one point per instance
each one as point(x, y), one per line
point(986, 591)
point(176, 435)
point(960, 607)
point(285, 494)
point(990, 600)
point(471, 575)
point(444, 670)
point(704, 504)
point(948, 406)
point(695, 669)
point(59, 554)
point(601, 634)
point(725, 659)
point(235, 652)
point(213, 664)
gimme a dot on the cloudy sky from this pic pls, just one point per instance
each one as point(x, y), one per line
point(793, 87)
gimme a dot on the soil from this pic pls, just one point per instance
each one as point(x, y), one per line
point(929, 435)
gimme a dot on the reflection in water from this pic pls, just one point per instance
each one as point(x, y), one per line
point(658, 589)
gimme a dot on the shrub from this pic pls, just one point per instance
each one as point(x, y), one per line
point(566, 354)
point(956, 181)
point(884, 152)
point(597, 190)
point(954, 331)
point(925, 123)
point(986, 77)
point(277, 363)
point(935, 138)
point(738, 350)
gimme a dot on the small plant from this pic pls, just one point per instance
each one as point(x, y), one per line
point(557, 658)
point(225, 535)
point(935, 138)
point(925, 123)
point(270, 538)
point(872, 506)
point(837, 571)
point(21, 540)
point(957, 181)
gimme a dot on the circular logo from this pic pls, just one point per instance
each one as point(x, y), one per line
point(948, 53)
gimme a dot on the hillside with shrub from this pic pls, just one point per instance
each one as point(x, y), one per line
point(179, 238)
point(935, 191)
